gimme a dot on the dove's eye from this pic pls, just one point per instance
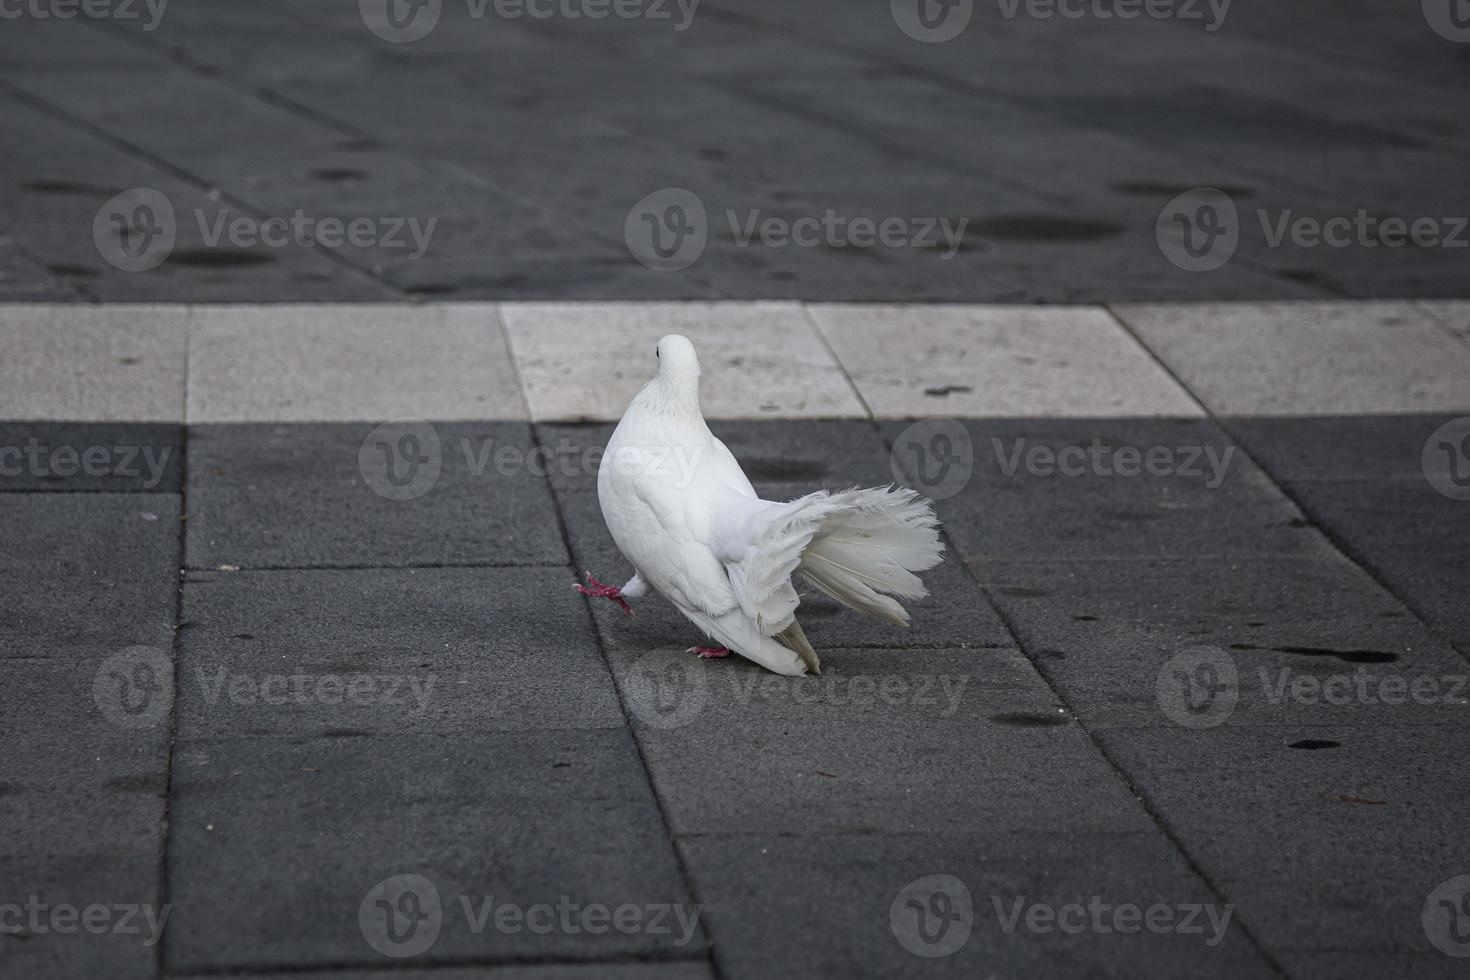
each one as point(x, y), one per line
point(655, 352)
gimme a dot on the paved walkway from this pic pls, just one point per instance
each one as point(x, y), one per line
point(816, 150)
point(307, 672)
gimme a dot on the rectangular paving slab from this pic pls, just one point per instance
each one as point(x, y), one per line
point(1103, 488)
point(106, 456)
point(326, 652)
point(980, 902)
point(1332, 842)
point(86, 634)
point(403, 493)
point(485, 821)
point(1197, 644)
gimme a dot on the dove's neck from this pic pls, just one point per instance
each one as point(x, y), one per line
point(672, 399)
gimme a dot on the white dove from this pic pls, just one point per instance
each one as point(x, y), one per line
point(684, 514)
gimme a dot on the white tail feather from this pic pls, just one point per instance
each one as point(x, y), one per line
point(870, 543)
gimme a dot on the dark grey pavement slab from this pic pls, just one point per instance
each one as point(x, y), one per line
point(735, 750)
point(812, 905)
point(325, 651)
point(1180, 642)
point(1109, 488)
point(114, 457)
point(86, 574)
point(325, 495)
point(513, 819)
point(1332, 844)
point(1367, 482)
point(89, 588)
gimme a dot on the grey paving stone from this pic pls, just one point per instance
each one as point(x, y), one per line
point(1364, 480)
point(1329, 838)
point(1430, 965)
point(68, 174)
point(825, 906)
point(309, 495)
point(276, 843)
point(1338, 447)
point(106, 456)
point(955, 614)
point(1165, 643)
point(85, 578)
point(317, 652)
point(736, 750)
point(48, 936)
point(1009, 497)
point(86, 574)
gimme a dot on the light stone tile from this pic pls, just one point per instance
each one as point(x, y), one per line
point(83, 363)
point(1454, 314)
point(1337, 358)
point(914, 361)
point(340, 363)
point(585, 361)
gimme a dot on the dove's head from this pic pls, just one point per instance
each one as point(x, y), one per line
point(677, 362)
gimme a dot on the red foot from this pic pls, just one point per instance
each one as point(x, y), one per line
point(709, 653)
point(600, 591)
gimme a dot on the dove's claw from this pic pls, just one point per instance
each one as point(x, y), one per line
point(601, 591)
point(709, 653)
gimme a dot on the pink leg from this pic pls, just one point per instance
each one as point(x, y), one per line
point(600, 591)
point(709, 653)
